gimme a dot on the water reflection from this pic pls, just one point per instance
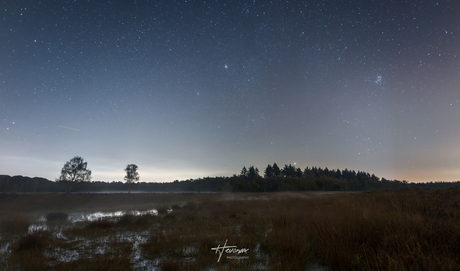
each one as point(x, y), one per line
point(82, 216)
point(41, 223)
point(91, 246)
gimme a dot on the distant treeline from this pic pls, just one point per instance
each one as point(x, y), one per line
point(289, 178)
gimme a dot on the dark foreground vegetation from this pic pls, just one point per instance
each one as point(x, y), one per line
point(407, 229)
point(274, 179)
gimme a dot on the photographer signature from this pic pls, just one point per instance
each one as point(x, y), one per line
point(229, 250)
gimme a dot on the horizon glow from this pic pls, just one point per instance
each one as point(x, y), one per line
point(191, 89)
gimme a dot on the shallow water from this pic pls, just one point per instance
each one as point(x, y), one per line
point(41, 223)
point(85, 216)
point(93, 246)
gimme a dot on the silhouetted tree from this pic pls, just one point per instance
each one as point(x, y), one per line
point(289, 171)
point(75, 171)
point(131, 175)
point(268, 172)
point(258, 184)
point(338, 174)
point(252, 172)
point(298, 173)
point(244, 172)
point(276, 170)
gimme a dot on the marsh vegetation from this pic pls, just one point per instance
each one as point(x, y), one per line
point(409, 229)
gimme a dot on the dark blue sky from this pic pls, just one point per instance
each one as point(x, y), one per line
point(188, 89)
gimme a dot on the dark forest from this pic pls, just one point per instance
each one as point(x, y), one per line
point(288, 178)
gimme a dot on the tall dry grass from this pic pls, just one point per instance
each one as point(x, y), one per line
point(410, 229)
point(388, 230)
point(28, 252)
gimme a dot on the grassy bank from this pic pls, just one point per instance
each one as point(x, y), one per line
point(386, 230)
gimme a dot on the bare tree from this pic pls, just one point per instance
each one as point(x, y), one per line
point(75, 171)
point(131, 175)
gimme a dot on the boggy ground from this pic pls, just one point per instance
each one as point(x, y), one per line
point(409, 229)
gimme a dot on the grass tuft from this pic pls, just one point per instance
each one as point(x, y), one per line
point(14, 224)
point(27, 253)
point(100, 224)
point(35, 241)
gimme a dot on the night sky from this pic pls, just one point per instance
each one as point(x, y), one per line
point(189, 89)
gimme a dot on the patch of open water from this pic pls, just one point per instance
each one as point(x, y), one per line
point(94, 246)
point(41, 223)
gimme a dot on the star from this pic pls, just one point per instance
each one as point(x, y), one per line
point(300, 75)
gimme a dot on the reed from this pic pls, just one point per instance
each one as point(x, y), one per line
point(409, 229)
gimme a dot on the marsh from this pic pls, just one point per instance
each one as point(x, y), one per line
point(400, 229)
